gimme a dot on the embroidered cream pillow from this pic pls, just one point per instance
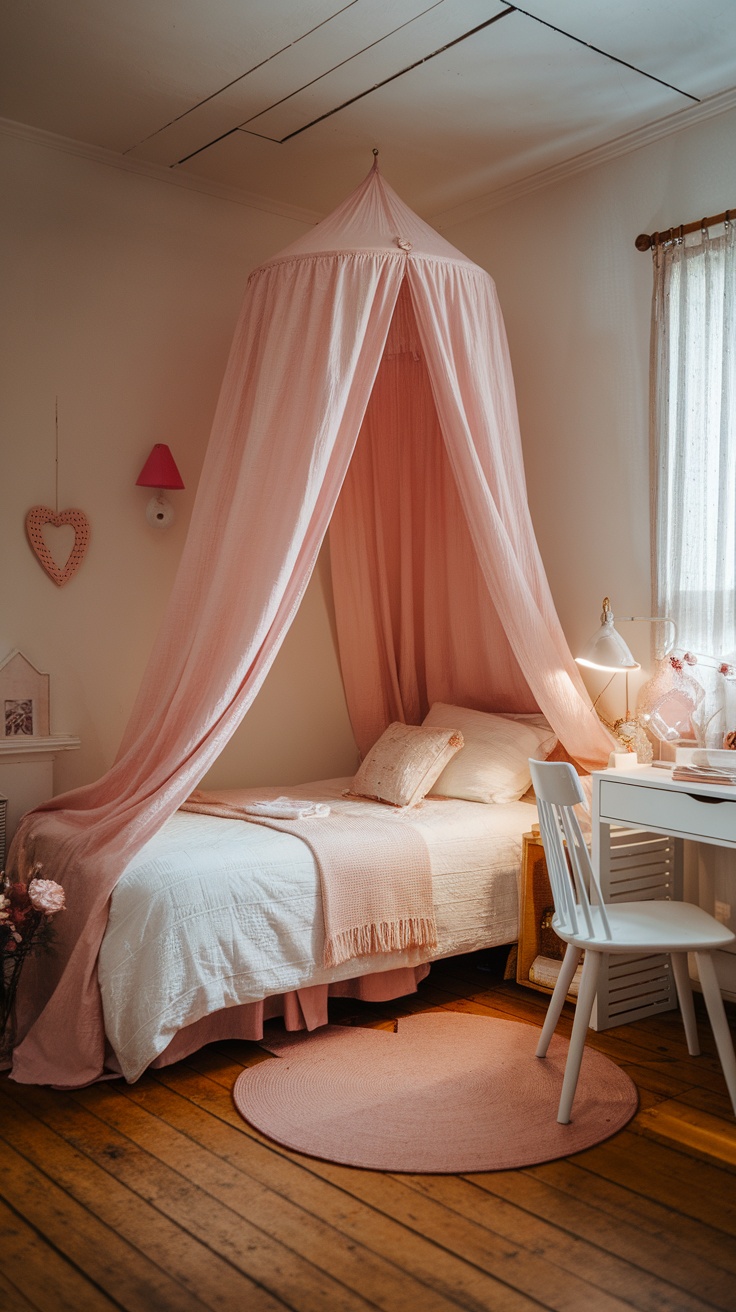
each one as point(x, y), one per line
point(493, 765)
point(405, 762)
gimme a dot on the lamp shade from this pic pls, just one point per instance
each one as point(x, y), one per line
point(606, 650)
point(160, 469)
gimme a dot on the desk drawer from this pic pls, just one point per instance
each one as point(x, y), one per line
point(690, 815)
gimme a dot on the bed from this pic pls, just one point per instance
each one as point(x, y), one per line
point(214, 915)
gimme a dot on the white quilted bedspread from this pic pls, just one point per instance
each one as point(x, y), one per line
point(215, 912)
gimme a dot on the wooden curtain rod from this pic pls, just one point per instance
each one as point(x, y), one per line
point(645, 241)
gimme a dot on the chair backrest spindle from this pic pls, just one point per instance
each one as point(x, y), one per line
point(572, 877)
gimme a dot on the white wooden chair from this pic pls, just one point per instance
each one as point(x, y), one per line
point(587, 925)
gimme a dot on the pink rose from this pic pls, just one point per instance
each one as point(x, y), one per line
point(46, 896)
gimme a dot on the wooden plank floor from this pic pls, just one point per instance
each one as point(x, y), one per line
point(157, 1196)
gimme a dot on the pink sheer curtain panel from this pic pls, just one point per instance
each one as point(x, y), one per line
point(300, 373)
point(415, 619)
point(464, 342)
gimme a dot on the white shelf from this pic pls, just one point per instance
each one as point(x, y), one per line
point(21, 745)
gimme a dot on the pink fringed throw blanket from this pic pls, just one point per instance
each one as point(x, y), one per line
point(374, 872)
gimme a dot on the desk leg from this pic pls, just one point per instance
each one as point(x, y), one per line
point(601, 854)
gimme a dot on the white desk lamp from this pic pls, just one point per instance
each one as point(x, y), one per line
point(606, 650)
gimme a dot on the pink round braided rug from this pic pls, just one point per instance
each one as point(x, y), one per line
point(446, 1092)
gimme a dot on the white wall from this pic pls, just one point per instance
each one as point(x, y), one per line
point(576, 298)
point(119, 296)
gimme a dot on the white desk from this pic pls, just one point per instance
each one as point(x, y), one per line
point(647, 863)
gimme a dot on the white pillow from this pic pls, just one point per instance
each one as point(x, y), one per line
point(405, 762)
point(493, 764)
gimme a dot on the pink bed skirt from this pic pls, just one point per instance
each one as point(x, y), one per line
point(304, 1009)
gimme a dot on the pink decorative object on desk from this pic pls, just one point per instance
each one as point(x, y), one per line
point(669, 700)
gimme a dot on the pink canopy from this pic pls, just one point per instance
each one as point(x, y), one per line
point(370, 330)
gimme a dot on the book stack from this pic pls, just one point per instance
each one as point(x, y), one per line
point(704, 765)
point(544, 971)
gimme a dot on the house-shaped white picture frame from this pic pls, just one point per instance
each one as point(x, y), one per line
point(24, 699)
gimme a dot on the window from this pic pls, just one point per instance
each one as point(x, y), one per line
point(694, 450)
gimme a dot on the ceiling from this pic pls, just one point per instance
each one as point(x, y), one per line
point(284, 99)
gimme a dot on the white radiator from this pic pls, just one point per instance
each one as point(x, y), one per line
point(638, 866)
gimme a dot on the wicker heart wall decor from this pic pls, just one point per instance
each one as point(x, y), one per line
point(36, 520)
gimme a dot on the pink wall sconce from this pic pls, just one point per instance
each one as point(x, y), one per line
point(160, 471)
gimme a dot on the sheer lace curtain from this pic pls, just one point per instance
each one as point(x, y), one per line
point(694, 456)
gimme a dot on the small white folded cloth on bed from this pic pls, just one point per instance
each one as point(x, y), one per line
point(288, 808)
point(278, 808)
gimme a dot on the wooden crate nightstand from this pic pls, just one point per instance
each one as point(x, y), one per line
point(535, 899)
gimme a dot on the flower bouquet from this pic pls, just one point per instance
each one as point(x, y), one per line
point(26, 912)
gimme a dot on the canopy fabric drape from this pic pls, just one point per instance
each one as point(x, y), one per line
point(415, 620)
point(304, 361)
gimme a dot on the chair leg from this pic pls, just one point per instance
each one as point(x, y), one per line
point(719, 1023)
point(557, 1001)
point(583, 1009)
point(685, 999)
